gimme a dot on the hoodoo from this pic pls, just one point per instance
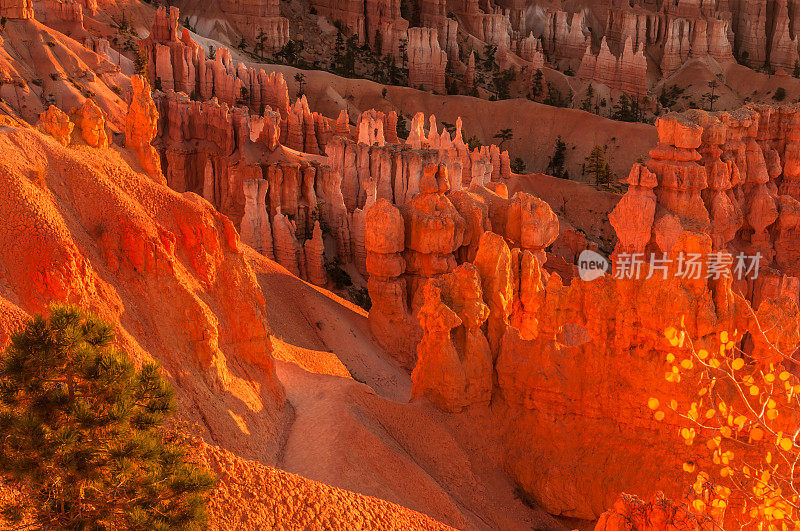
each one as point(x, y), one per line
point(389, 264)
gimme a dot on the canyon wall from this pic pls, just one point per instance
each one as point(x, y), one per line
point(627, 73)
point(258, 21)
point(573, 366)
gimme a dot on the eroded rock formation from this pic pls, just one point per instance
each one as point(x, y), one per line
point(557, 351)
point(57, 124)
point(16, 9)
point(258, 21)
point(627, 73)
point(141, 126)
point(426, 60)
point(91, 120)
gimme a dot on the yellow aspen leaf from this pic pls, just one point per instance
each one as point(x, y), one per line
point(699, 505)
point(740, 421)
point(673, 404)
point(675, 369)
point(756, 434)
point(676, 340)
point(786, 444)
point(778, 514)
point(689, 467)
point(768, 457)
point(754, 390)
point(653, 403)
point(737, 364)
point(723, 336)
point(687, 364)
point(729, 345)
point(726, 432)
point(710, 413)
point(715, 363)
point(670, 357)
point(725, 471)
point(702, 354)
point(771, 404)
point(659, 415)
point(772, 414)
point(769, 377)
point(702, 391)
point(784, 375)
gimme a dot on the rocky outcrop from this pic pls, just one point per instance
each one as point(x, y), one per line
point(434, 230)
point(16, 9)
point(313, 249)
point(377, 23)
point(141, 126)
point(531, 224)
point(215, 150)
point(718, 175)
point(551, 345)
point(469, 74)
point(707, 186)
point(285, 244)
point(165, 268)
point(258, 21)
point(91, 120)
point(255, 227)
point(57, 124)
point(627, 73)
point(750, 32)
point(304, 130)
point(454, 367)
point(426, 60)
point(530, 49)
point(389, 316)
point(677, 45)
point(180, 64)
point(563, 38)
point(350, 13)
point(633, 216)
point(783, 49)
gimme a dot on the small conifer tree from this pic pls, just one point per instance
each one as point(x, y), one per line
point(596, 164)
point(81, 433)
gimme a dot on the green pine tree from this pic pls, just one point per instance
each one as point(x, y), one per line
point(555, 166)
point(537, 86)
point(81, 433)
point(504, 135)
point(140, 63)
point(596, 164)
